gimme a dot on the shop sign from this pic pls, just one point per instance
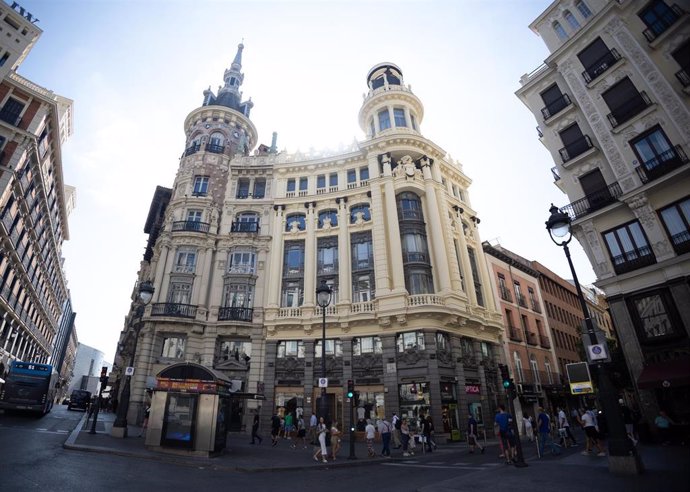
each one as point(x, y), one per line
point(472, 389)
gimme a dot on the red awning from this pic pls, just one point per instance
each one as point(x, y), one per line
point(675, 372)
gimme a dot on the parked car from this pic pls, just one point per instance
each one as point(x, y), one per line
point(79, 399)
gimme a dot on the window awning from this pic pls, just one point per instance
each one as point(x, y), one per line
point(674, 372)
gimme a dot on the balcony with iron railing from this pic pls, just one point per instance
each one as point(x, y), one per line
point(535, 306)
point(630, 108)
point(632, 260)
point(544, 341)
point(514, 334)
point(681, 242)
point(575, 148)
point(174, 309)
point(215, 149)
point(237, 226)
point(593, 202)
point(192, 149)
point(662, 164)
point(532, 338)
point(555, 107)
point(505, 293)
point(521, 300)
point(600, 66)
point(190, 225)
point(663, 22)
point(683, 75)
point(231, 313)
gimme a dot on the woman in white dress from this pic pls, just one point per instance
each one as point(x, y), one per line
point(321, 450)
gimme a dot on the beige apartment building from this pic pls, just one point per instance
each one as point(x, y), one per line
point(241, 241)
point(34, 203)
point(612, 105)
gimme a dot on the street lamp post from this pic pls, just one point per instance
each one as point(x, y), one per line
point(146, 291)
point(323, 299)
point(623, 457)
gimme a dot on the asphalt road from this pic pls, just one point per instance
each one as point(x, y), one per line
point(32, 458)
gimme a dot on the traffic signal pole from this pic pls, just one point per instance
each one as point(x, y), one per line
point(509, 386)
point(351, 396)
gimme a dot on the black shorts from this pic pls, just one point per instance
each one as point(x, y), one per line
point(274, 431)
point(301, 433)
point(591, 432)
point(507, 438)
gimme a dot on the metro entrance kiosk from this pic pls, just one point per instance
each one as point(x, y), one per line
point(190, 410)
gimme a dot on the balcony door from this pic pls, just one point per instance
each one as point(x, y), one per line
point(595, 189)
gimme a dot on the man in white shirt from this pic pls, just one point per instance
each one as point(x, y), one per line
point(370, 432)
point(397, 423)
point(313, 422)
point(589, 423)
point(385, 428)
point(563, 424)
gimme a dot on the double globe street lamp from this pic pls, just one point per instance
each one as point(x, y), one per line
point(145, 295)
point(323, 299)
point(623, 457)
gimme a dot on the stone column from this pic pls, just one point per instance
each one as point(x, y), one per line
point(160, 270)
point(378, 234)
point(437, 235)
point(344, 262)
point(394, 249)
point(434, 381)
point(465, 259)
point(310, 257)
point(390, 379)
point(275, 269)
point(269, 382)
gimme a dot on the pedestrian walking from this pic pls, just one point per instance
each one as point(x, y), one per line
point(564, 427)
point(663, 423)
point(288, 426)
point(275, 428)
point(301, 438)
point(589, 423)
point(627, 416)
point(255, 430)
point(321, 451)
point(426, 434)
point(504, 422)
point(313, 422)
point(405, 437)
point(385, 429)
point(397, 422)
point(336, 437)
point(472, 431)
point(529, 428)
point(370, 432)
point(432, 441)
point(544, 427)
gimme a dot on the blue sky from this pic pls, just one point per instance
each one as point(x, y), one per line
point(135, 69)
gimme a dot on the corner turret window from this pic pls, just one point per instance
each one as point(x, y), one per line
point(384, 119)
point(200, 186)
point(413, 121)
point(215, 143)
point(399, 117)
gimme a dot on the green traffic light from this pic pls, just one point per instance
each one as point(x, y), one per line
point(506, 384)
point(350, 394)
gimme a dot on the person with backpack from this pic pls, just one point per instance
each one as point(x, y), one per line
point(397, 424)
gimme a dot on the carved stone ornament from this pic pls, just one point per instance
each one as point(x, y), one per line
point(411, 357)
point(402, 319)
point(445, 357)
point(384, 321)
point(290, 366)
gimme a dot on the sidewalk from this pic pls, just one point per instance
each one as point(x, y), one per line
point(239, 454)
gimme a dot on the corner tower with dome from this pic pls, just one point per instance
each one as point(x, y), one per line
point(242, 240)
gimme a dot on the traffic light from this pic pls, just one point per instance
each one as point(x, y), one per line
point(350, 388)
point(356, 398)
point(505, 376)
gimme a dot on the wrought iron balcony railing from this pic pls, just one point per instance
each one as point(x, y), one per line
point(521, 300)
point(229, 313)
point(532, 338)
point(556, 106)
point(535, 306)
point(190, 225)
point(573, 149)
point(192, 149)
point(601, 65)
point(173, 309)
point(544, 341)
point(593, 201)
point(514, 334)
point(630, 108)
point(238, 226)
point(216, 149)
point(632, 260)
point(505, 293)
point(662, 23)
point(683, 75)
point(662, 164)
point(681, 242)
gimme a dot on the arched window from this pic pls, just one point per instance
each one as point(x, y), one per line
point(295, 221)
point(584, 9)
point(356, 210)
point(246, 222)
point(216, 139)
point(571, 19)
point(331, 215)
point(560, 31)
point(409, 207)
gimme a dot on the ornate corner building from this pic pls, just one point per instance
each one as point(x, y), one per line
point(612, 103)
point(36, 319)
point(239, 244)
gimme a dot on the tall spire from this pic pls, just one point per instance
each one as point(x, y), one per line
point(229, 94)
